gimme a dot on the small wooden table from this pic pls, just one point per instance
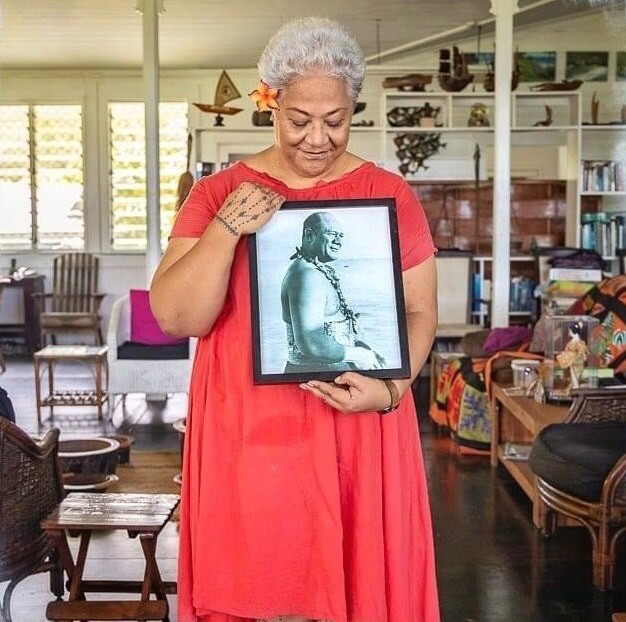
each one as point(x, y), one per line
point(518, 419)
point(94, 357)
point(142, 515)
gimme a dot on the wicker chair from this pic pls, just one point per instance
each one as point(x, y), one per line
point(152, 373)
point(30, 488)
point(604, 516)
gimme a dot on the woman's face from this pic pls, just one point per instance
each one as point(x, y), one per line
point(312, 127)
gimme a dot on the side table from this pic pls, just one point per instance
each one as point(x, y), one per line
point(142, 515)
point(94, 357)
point(518, 419)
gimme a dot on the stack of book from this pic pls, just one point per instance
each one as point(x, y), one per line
point(602, 175)
point(521, 294)
point(603, 232)
point(567, 284)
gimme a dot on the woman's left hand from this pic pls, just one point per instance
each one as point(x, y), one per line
point(351, 393)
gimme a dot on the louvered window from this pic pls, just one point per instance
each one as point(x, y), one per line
point(41, 177)
point(128, 170)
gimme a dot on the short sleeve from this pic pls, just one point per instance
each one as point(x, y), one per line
point(195, 213)
point(204, 201)
point(416, 242)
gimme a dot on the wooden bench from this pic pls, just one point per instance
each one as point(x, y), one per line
point(142, 515)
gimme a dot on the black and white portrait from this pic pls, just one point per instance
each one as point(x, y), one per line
point(327, 292)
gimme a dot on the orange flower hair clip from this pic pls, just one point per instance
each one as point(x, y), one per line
point(265, 97)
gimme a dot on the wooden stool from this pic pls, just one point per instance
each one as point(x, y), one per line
point(142, 515)
point(94, 357)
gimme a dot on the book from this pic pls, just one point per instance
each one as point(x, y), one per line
point(592, 275)
point(569, 288)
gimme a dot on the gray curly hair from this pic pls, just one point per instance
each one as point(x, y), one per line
point(310, 43)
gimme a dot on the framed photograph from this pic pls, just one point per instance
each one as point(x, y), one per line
point(537, 66)
point(587, 66)
point(327, 296)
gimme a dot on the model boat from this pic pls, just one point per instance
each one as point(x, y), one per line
point(489, 82)
point(453, 74)
point(224, 92)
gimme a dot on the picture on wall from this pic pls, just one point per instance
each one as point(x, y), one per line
point(327, 292)
point(587, 66)
point(480, 58)
point(620, 66)
point(537, 66)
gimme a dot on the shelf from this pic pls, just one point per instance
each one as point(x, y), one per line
point(520, 470)
point(550, 128)
point(603, 193)
point(512, 258)
point(603, 128)
point(436, 130)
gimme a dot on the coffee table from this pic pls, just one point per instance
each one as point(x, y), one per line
point(142, 516)
point(94, 357)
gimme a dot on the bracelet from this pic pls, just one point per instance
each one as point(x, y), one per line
point(394, 396)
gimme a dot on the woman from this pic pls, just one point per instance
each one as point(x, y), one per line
point(298, 502)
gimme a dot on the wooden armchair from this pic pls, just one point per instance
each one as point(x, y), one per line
point(581, 473)
point(74, 300)
point(30, 488)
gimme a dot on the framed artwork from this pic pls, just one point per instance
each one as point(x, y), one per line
point(327, 297)
point(620, 66)
point(537, 66)
point(587, 66)
point(485, 59)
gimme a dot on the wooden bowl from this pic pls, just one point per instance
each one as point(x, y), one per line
point(91, 482)
point(125, 441)
point(89, 455)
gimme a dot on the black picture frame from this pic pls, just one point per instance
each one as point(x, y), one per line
point(370, 279)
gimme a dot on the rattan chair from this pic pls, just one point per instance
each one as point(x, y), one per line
point(143, 372)
point(604, 516)
point(30, 488)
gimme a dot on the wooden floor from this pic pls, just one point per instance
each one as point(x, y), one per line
point(493, 565)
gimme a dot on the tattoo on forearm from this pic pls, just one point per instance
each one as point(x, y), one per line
point(226, 225)
point(240, 211)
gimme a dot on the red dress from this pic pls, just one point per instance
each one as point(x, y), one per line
point(288, 506)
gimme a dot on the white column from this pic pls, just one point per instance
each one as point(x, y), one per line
point(504, 11)
point(151, 100)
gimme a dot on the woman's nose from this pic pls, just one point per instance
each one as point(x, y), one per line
point(317, 134)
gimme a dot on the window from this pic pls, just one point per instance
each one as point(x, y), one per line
point(128, 170)
point(41, 177)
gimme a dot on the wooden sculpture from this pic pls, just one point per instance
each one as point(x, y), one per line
point(224, 92)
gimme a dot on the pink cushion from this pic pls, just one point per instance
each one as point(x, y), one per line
point(143, 326)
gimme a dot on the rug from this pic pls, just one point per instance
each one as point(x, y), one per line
point(149, 472)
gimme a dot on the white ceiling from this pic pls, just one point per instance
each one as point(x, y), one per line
point(212, 34)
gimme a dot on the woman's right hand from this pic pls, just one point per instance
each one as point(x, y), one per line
point(248, 208)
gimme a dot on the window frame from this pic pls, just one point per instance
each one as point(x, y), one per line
point(31, 103)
